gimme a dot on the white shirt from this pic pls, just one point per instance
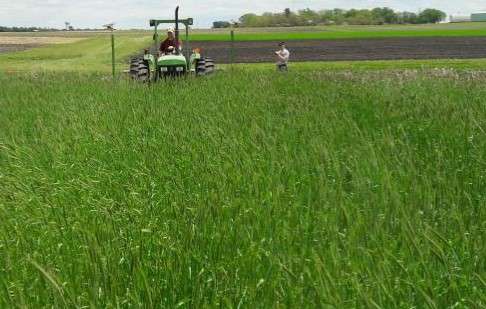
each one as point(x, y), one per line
point(284, 56)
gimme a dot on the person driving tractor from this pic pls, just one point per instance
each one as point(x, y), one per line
point(169, 44)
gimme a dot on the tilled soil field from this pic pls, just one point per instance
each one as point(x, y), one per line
point(333, 50)
point(19, 43)
point(7, 48)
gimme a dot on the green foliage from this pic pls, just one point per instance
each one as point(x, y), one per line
point(250, 189)
point(335, 16)
point(309, 17)
point(407, 18)
point(361, 17)
point(25, 29)
point(248, 19)
point(376, 16)
point(384, 16)
point(431, 16)
point(287, 12)
point(42, 29)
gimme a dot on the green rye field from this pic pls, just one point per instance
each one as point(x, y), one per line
point(255, 190)
point(337, 185)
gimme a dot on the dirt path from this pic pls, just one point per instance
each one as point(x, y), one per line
point(369, 49)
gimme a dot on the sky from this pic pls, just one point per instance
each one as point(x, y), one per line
point(136, 13)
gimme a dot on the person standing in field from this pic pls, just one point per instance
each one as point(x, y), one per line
point(283, 56)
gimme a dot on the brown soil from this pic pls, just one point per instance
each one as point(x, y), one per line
point(19, 43)
point(36, 40)
point(352, 49)
point(7, 48)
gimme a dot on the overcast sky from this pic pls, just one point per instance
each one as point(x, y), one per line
point(135, 13)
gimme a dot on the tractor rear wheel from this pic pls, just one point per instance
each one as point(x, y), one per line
point(139, 70)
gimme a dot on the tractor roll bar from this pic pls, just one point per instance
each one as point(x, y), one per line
point(178, 48)
point(186, 22)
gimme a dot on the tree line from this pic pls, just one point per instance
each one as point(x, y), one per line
point(308, 17)
point(24, 29)
point(35, 29)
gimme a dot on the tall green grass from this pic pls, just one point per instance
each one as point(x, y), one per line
point(244, 190)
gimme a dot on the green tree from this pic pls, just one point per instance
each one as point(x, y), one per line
point(338, 16)
point(266, 20)
point(361, 17)
point(407, 18)
point(249, 20)
point(309, 17)
point(384, 16)
point(287, 12)
point(350, 13)
point(431, 16)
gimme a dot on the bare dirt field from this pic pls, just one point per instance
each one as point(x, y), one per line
point(19, 43)
point(7, 48)
point(362, 49)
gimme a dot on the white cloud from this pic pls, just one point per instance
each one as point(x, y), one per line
point(136, 13)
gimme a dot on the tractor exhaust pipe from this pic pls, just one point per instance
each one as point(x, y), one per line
point(177, 30)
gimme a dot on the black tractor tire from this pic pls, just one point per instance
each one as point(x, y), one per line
point(139, 70)
point(204, 66)
point(210, 67)
point(200, 67)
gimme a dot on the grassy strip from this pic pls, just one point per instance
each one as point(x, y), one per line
point(334, 35)
point(308, 189)
point(346, 32)
point(363, 66)
point(92, 54)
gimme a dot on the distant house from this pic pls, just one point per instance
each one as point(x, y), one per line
point(478, 16)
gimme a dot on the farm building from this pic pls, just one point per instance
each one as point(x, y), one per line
point(459, 19)
point(478, 16)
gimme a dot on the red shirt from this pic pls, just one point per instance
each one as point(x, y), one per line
point(164, 46)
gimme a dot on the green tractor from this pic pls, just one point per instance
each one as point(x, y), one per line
point(153, 65)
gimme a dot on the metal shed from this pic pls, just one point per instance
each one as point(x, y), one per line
point(478, 17)
point(459, 19)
